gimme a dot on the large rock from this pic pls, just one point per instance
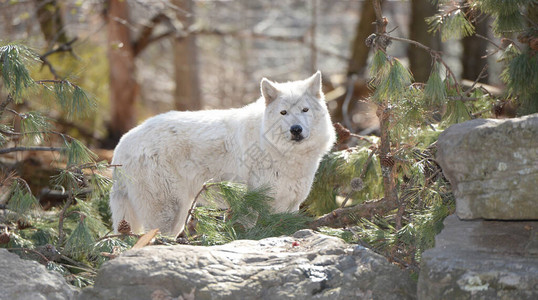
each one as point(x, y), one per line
point(493, 167)
point(26, 279)
point(306, 266)
point(481, 260)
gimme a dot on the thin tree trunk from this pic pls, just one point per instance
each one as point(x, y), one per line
point(357, 63)
point(50, 20)
point(313, 29)
point(383, 112)
point(473, 50)
point(418, 31)
point(187, 93)
point(359, 51)
point(123, 85)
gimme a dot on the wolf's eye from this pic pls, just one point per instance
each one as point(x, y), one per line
point(305, 109)
point(283, 112)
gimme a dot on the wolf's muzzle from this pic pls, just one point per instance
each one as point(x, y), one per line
point(296, 132)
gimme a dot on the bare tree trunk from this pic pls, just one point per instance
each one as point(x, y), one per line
point(123, 85)
point(473, 50)
point(418, 31)
point(359, 51)
point(357, 64)
point(187, 93)
point(50, 20)
point(313, 29)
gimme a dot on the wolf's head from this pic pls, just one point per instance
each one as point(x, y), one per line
point(296, 115)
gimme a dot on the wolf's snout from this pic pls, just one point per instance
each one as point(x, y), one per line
point(296, 130)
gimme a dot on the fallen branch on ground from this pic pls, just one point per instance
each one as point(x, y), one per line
point(345, 216)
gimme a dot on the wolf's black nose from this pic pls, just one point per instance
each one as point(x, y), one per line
point(296, 129)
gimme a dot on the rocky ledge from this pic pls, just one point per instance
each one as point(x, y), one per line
point(307, 265)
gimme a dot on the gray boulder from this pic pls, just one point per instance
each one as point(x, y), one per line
point(307, 265)
point(26, 279)
point(481, 260)
point(493, 167)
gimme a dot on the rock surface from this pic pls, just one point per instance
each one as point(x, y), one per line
point(307, 265)
point(25, 279)
point(481, 260)
point(493, 167)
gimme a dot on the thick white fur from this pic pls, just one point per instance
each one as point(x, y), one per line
point(166, 160)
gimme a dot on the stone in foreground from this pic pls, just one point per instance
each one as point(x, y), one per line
point(26, 279)
point(481, 260)
point(493, 167)
point(307, 265)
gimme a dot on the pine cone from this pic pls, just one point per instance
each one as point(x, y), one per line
point(50, 252)
point(523, 37)
point(356, 184)
point(498, 109)
point(343, 133)
point(22, 224)
point(387, 160)
point(124, 227)
point(4, 238)
point(533, 43)
point(370, 40)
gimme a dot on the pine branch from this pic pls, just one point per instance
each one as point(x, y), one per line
point(362, 138)
point(412, 42)
point(118, 235)
point(5, 103)
point(55, 81)
point(436, 55)
point(45, 259)
point(61, 234)
point(362, 175)
point(481, 75)
point(66, 47)
point(383, 113)
point(32, 148)
point(346, 216)
point(79, 265)
point(490, 41)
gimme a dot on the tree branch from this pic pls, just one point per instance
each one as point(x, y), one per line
point(5, 103)
point(436, 55)
point(381, 23)
point(45, 259)
point(480, 76)
point(145, 38)
point(191, 210)
point(66, 47)
point(33, 148)
point(345, 216)
point(61, 234)
point(415, 43)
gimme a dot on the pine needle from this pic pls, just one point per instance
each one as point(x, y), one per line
point(21, 202)
point(452, 25)
point(77, 153)
point(435, 90)
point(15, 75)
point(80, 242)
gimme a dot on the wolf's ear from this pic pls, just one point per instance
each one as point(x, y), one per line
point(314, 85)
point(269, 91)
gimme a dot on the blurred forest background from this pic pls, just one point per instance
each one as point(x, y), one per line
point(76, 75)
point(140, 58)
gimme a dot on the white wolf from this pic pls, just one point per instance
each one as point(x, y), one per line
point(277, 141)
